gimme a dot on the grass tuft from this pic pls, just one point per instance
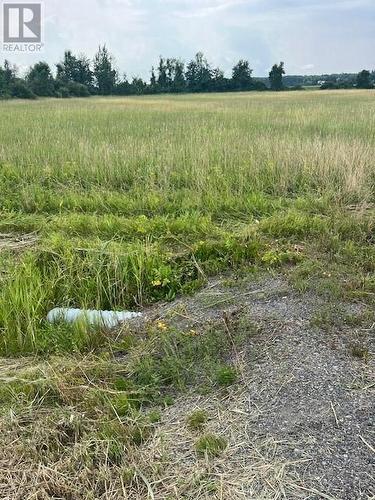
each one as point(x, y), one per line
point(196, 420)
point(211, 445)
point(226, 375)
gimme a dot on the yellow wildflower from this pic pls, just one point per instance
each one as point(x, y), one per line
point(162, 326)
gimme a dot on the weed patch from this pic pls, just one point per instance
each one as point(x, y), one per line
point(210, 445)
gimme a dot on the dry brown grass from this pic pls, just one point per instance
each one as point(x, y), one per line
point(166, 467)
point(17, 243)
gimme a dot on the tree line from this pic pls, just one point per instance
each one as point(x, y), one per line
point(78, 76)
point(363, 80)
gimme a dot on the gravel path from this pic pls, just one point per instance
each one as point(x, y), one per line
point(306, 401)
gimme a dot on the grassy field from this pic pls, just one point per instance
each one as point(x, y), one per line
point(118, 203)
point(137, 200)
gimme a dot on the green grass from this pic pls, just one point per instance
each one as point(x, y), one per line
point(197, 419)
point(210, 445)
point(136, 200)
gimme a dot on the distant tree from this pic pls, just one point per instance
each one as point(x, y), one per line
point(178, 76)
point(104, 72)
point(138, 86)
point(40, 80)
point(364, 80)
point(7, 78)
point(153, 78)
point(259, 85)
point(11, 86)
point(329, 85)
point(162, 76)
point(241, 75)
point(4, 90)
point(218, 81)
point(75, 69)
point(191, 76)
point(9, 73)
point(170, 76)
point(123, 87)
point(63, 92)
point(170, 72)
point(76, 89)
point(21, 90)
point(276, 76)
point(198, 74)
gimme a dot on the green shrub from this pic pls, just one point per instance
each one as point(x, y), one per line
point(21, 90)
point(77, 89)
point(63, 92)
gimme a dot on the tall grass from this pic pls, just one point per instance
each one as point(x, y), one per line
point(138, 199)
point(211, 148)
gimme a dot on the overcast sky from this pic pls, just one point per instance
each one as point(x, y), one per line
point(311, 36)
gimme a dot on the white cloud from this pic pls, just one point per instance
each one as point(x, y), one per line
point(332, 35)
point(210, 8)
point(307, 67)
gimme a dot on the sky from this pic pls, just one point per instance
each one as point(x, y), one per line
point(311, 36)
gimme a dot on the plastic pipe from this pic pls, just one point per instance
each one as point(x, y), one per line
point(108, 319)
